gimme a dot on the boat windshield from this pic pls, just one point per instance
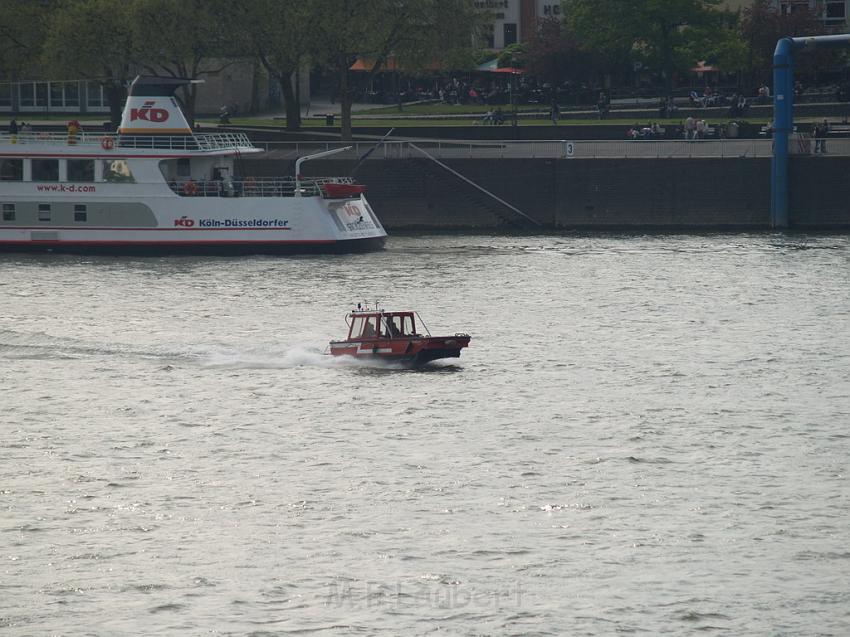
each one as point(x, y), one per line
point(399, 325)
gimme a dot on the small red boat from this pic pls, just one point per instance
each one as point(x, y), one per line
point(340, 190)
point(395, 337)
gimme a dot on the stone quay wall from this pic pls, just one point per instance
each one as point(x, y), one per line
point(594, 194)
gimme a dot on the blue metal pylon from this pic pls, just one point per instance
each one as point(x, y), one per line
point(783, 115)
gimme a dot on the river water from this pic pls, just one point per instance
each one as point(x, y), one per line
point(647, 435)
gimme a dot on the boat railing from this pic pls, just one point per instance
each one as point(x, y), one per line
point(112, 141)
point(254, 186)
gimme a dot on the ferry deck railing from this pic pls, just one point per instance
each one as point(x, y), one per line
point(254, 186)
point(113, 141)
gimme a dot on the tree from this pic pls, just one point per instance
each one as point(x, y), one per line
point(93, 39)
point(184, 39)
point(655, 30)
point(555, 55)
point(718, 42)
point(22, 31)
point(762, 27)
point(281, 35)
point(415, 33)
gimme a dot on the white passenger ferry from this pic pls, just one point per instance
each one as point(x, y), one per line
point(155, 187)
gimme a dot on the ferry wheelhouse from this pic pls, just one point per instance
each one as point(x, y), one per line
point(396, 337)
point(155, 187)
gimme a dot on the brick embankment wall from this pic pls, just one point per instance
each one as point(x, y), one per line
point(609, 194)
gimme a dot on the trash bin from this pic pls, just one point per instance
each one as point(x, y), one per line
point(329, 119)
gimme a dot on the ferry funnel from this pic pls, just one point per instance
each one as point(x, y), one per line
point(152, 109)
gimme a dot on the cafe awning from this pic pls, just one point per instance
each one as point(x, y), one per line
point(493, 67)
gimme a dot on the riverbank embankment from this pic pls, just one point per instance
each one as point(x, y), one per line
point(664, 194)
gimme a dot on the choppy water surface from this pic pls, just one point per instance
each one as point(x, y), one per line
point(648, 434)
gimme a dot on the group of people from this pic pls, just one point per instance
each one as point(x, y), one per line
point(15, 128)
point(667, 107)
point(495, 117)
point(695, 128)
point(603, 105)
point(738, 105)
point(653, 131)
point(708, 98)
point(820, 132)
point(459, 92)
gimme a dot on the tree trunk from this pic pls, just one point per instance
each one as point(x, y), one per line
point(115, 95)
point(666, 43)
point(255, 88)
point(345, 100)
point(293, 109)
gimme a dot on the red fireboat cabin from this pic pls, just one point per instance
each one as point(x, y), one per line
point(395, 337)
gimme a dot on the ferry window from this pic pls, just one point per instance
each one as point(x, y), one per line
point(184, 169)
point(80, 212)
point(44, 212)
point(11, 169)
point(81, 170)
point(45, 170)
point(117, 170)
point(8, 212)
point(356, 327)
point(6, 95)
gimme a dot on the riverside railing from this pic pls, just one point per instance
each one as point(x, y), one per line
point(452, 149)
point(543, 149)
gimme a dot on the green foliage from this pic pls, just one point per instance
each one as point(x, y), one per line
point(717, 42)
point(512, 56)
point(90, 39)
point(655, 32)
point(183, 39)
point(762, 26)
point(282, 36)
point(416, 34)
point(23, 25)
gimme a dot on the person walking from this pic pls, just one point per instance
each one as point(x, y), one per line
point(820, 136)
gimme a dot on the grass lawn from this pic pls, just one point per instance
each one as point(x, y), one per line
point(449, 109)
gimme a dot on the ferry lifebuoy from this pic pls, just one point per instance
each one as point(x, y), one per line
point(190, 189)
point(107, 143)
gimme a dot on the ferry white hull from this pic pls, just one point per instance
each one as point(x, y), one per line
point(157, 187)
point(185, 225)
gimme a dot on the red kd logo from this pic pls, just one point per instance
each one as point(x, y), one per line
point(352, 210)
point(184, 222)
point(148, 113)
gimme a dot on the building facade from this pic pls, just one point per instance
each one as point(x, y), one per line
point(517, 20)
point(239, 86)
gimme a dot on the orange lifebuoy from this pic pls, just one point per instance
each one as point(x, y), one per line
point(190, 189)
point(107, 143)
